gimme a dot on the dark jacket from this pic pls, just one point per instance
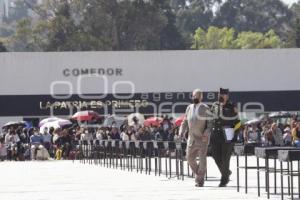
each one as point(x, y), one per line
point(224, 117)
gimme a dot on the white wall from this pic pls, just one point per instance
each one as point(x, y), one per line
point(154, 71)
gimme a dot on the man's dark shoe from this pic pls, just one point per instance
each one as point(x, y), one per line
point(222, 185)
point(224, 182)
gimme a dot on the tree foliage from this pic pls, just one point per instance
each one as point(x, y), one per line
point(93, 25)
point(254, 15)
point(228, 38)
point(294, 33)
point(85, 25)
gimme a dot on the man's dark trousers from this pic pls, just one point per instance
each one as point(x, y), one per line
point(221, 152)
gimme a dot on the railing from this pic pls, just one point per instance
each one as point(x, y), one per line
point(158, 157)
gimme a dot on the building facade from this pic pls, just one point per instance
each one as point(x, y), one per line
point(36, 85)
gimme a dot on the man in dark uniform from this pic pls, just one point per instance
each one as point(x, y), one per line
point(225, 118)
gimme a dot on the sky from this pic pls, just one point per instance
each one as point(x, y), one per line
point(289, 1)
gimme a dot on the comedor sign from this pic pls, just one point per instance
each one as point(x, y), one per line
point(67, 72)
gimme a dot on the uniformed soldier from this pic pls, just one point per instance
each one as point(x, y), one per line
point(197, 123)
point(225, 120)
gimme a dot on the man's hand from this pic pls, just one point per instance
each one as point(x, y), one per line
point(205, 137)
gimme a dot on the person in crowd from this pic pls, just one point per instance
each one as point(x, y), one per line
point(199, 124)
point(105, 133)
point(30, 132)
point(296, 134)
point(35, 140)
point(20, 147)
point(16, 137)
point(274, 136)
point(166, 124)
point(252, 134)
point(3, 150)
point(56, 135)
point(171, 134)
point(177, 137)
point(287, 136)
point(24, 137)
point(240, 134)
point(13, 137)
point(86, 135)
point(99, 134)
point(138, 134)
point(11, 140)
point(144, 134)
point(129, 134)
point(2, 134)
point(158, 136)
point(293, 123)
point(51, 130)
point(151, 133)
point(47, 139)
point(114, 134)
point(23, 145)
point(65, 142)
point(164, 134)
point(136, 125)
point(265, 129)
point(78, 132)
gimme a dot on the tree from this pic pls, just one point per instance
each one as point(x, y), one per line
point(228, 38)
point(6, 29)
point(170, 37)
point(2, 47)
point(194, 14)
point(177, 4)
point(83, 25)
point(297, 33)
point(254, 15)
point(61, 30)
point(142, 25)
point(255, 40)
point(22, 40)
point(214, 38)
point(93, 25)
point(294, 34)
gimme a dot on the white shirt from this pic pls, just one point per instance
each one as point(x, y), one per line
point(86, 137)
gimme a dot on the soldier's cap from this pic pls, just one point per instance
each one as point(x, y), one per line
point(224, 91)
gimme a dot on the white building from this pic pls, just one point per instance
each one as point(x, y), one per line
point(35, 85)
point(5, 8)
point(8, 6)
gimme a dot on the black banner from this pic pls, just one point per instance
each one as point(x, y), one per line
point(147, 103)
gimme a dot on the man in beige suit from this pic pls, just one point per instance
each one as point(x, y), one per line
point(198, 124)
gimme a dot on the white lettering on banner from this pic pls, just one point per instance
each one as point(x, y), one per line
point(94, 104)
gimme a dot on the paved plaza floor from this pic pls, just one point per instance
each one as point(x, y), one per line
point(64, 180)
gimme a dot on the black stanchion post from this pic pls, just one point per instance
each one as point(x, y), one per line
point(258, 176)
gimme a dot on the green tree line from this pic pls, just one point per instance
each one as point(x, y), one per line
point(94, 25)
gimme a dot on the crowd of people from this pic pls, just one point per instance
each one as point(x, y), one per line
point(18, 143)
point(270, 133)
